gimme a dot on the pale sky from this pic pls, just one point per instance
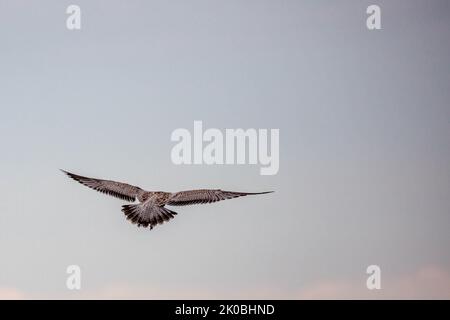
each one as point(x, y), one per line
point(364, 120)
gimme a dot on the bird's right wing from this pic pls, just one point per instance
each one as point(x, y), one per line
point(205, 196)
point(116, 189)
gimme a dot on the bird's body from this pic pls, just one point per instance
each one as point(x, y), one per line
point(151, 211)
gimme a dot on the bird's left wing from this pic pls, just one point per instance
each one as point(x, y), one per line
point(116, 189)
point(183, 198)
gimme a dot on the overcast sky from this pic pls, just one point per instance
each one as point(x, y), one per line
point(364, 119)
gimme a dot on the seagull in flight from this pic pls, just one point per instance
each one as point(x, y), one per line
point(151, 210)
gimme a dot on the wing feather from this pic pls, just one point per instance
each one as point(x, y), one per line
point(202, 196)
point(116, 189)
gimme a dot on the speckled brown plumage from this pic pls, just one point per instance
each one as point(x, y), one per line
point(151, 211)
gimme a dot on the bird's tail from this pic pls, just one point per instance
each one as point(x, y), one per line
point(147, 215)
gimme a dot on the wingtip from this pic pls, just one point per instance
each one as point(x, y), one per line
point(264, 192)
point(69, 174)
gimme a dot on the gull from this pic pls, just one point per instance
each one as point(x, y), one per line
point(151, 210)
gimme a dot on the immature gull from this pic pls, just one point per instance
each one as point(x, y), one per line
point(151, 211)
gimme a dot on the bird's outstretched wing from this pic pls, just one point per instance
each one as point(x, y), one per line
point(184, 198)
point(147, 214)
point(116, 189)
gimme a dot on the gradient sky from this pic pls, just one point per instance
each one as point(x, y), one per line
point(364, 119)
